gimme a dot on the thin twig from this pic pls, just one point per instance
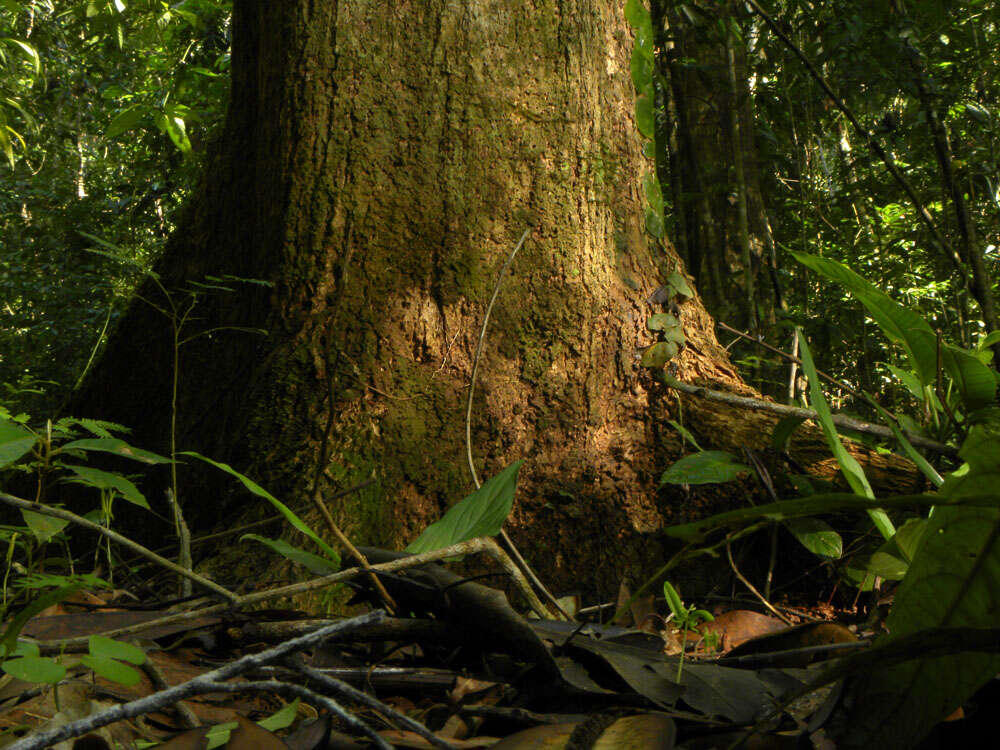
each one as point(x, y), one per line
point(205, 683)
point(114, 536)
point(349, 692)
point(515, 553)
point(472, 546)
point(753, 590)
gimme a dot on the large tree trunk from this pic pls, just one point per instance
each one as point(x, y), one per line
point(378, 165)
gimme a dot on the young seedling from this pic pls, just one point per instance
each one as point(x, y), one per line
point(685, 618)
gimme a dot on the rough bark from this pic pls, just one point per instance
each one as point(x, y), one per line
point(378, 165)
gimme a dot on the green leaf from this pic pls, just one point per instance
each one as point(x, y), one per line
point(834, 502)
point(35, 669)
point(975, 381)
point(678, 283)
point(659, 354)
point(849, 465)
point(111, 669)
point(674, 602)
point(817, 537)
point(654, 222)
point(641, 67)
point(114, 445)
point(953, 581)
point(106, 480)
point(914, 455)
point(899, 324)
point(480, 514)
point(29, 51)
point(259, 491)
point(783, 430)
point(125, 121)
point(26, 648)
point(8, 642)
point(112, 649)
point(42, 526)
point(282, 718)
point(173, 125)
point(313, 563)
point(707, 467)
point(662, 322)
point(908, 379)
point(990, 339)
point(15, 441)
point(684, 433)
point(644, 115)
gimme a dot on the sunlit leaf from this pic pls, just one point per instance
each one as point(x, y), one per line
point(480, 514)
point(707, 467)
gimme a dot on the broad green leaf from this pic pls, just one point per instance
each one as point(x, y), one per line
point(111, 669)
point(42, 526)
point(654, 222)
point(313, 563)
point(892, 559)
point(218, 735)
point(112, 649)
point(659, 354)
point(707, 467)
point(991, 338)
point(654, 195)
point(953, 581)
point(817, 537)
point(173, 125)
point(640, 20)
point(125, 121)
point(679, 284)
point(29, 51)
point(849, 465)
point(975, 381)
point(884, 564)
point(8, 642)
point(282, 718)
point(644, 115)
point(106, 480)
point(115, 446)
point(480, 514)
point(15, 442)
point(641, 67)
point(35, 669)
point(26, 648)
point(259, 491)
point(899, 324)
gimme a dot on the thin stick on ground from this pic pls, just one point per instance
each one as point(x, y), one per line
point(472, 546)
point(213, 682)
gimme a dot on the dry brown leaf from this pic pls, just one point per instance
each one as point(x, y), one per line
point(740, 625)
point(250, 736)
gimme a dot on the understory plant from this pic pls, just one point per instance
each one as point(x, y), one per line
point(947, 555)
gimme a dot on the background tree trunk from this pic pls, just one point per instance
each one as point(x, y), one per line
point(377, 167)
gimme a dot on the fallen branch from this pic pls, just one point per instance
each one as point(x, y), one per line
point(745, 402)
point(213, 682)
point(472, 546)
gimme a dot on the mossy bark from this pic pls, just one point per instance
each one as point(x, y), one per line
point(378, 165)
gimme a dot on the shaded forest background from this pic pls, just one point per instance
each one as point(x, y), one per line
point(106, 112)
